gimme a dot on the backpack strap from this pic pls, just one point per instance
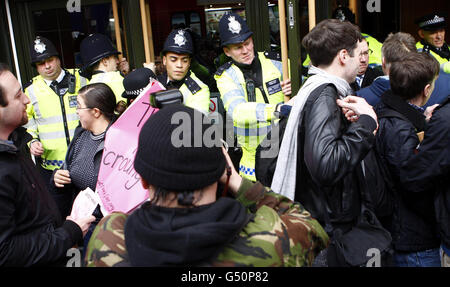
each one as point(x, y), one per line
point(311, 99)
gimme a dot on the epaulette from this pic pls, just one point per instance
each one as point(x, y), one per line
point(272, 55)
point(222, 68)
point(192, 85)
point(27, 85)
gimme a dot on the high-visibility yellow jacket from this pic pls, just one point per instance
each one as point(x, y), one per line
point(441, 60)
point(52, 119)
point(446, 67)
point(195, 93)
point(114, 80)
point(251, 120)
point(374, 58)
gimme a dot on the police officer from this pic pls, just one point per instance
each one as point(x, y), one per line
point(432, 34)
point(100, 62)
point(52, 109)
point(177, 55)
point(251, 87)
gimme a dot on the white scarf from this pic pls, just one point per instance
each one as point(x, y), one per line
point(284, 179)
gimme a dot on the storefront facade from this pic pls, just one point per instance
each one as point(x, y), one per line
point(67, 22)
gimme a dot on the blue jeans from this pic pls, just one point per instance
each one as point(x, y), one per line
point(427, 258)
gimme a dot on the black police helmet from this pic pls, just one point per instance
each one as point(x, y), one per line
point(233, 29)
point(94, 48)
point(42, 49)
point(136, 81)
point(432, 21)
point(179, 41)
point(343, 14)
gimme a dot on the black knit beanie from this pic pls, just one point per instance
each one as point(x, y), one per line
point(172, 165)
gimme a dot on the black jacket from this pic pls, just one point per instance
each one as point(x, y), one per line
point(370, 75)
point(428, 171)
point(413, 223)
point(329, 164)
point(30, 224)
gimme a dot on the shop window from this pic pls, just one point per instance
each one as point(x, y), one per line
point(187, 20)
point(67, 29)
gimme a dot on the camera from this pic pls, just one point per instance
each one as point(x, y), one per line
point(164, 98)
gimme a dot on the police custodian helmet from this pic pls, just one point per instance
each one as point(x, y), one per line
point(179, 41)
point(95, 47)
point(343, 13)
point(42, 49)
point(233, 29)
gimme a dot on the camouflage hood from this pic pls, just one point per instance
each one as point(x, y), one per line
point(158, 236)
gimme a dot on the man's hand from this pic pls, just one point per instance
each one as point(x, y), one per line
point(353, 107)
point(83, 223)
point(62, 177)
point(235, 178)
point(124, 66)
point(429, 112)
point(36, 148)
point(150, 66)
point(286, 87)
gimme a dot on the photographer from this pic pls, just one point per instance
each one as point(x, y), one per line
point(186, 224)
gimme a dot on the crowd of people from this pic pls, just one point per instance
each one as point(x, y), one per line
point(363, 158)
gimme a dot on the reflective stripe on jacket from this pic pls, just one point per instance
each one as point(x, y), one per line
point(252, 120)
point(48, 123)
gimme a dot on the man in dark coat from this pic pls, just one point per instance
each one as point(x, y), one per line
point(366, 75)
point(31, 231)
point(321, 159)
point(402, 121)
point(428, 171)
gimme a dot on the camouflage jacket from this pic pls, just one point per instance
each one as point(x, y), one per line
point(281, 233)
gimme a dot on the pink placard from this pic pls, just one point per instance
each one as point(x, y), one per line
point(118, 184)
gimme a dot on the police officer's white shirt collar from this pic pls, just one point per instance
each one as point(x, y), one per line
point(59, 79)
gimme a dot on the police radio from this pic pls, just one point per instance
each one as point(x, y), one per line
point(251, 94)
point(164, 98)
point(72, 83)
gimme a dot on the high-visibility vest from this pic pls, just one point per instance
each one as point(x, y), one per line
point(446, 67)
point(441, 60)
point(114, 80)
point(195, 93)
point(52, 119)
point(251, 120)
point(374, 58)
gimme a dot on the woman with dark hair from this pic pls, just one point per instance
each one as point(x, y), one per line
point(95, 107)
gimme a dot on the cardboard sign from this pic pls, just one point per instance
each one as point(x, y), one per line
point(118, 184)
